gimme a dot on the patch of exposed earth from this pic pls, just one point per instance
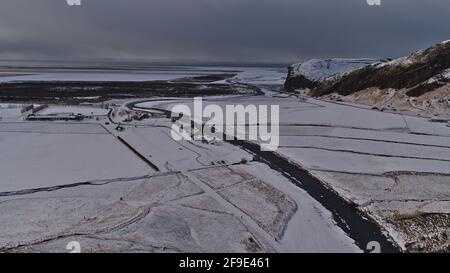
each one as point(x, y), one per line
point(76, 92)
point(435, 103)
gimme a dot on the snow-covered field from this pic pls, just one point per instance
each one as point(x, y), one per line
point(168, 154)
point(200, 188)
point(374, 158)
point(52, 128)
point(379, 160)
point(10, 111)
point(169, 211)
point(37, 156)
point(209, 197)
point(173, 213)
point(86, 111)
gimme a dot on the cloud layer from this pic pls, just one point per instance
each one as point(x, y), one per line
point(219, 30)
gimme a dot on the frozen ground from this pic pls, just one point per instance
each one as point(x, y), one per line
point(86, 111)
point(387, 164)
point(179, 155)
point(393, 167)
point(81, 183)
point(37, 156)
point(173, 212)
point(10, 111)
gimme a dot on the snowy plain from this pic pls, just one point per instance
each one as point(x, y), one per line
point(375, 159)
point(387, 164)
point(61, 154)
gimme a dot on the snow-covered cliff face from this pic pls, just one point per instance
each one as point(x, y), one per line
point(424, 68)
point(418, 83)
point(415, 72)
point(310, 73)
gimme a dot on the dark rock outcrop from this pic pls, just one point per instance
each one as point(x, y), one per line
point(294, 81)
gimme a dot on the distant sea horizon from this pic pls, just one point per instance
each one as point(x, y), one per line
point(128, 64)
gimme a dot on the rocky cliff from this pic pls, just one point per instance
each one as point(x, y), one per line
point(421, 72)
point(417, 83)
point(310, 73)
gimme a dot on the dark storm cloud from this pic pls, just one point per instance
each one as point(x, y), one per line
point(219, 30)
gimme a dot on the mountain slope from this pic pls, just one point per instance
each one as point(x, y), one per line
point(417, 84)
point(310, 73)
point(407, 72)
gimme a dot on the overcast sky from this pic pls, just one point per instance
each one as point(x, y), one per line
point(268, 31)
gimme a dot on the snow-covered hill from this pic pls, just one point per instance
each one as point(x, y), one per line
point(308, 74)
point(418, 83)
point(404, 73)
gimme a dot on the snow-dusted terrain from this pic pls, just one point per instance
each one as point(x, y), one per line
point(117, 183)
point(83, 182)
point(376, 160)
point(42, 156)
point(87, 111)
point(417, 84)
point(199, 190)
point(317, 70)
